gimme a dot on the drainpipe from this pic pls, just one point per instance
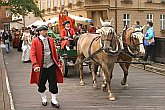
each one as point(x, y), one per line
point(116, 15)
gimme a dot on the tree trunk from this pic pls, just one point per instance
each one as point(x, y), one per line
point(23, 21)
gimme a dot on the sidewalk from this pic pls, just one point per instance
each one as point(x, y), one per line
point(158, 68)
point(4, 96)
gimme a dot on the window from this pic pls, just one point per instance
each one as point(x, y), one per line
point(8, 13)
point(70, 1)
point(62, 2)
point(126, 20)
point(150, 17)
point(162, 21)
point(55, 2)
point(49, 4)
point(43, 5)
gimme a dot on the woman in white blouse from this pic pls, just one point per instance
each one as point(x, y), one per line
point(26, 45)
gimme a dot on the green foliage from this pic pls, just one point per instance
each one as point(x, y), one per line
point(22, 7)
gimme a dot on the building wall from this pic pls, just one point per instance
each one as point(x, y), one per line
point(106, 9)
point(18, 23)
point(4, 20)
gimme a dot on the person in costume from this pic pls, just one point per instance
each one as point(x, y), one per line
point(16, 38)
point(26, 46)
point(68, 36)
point(45, 67)
point(91, 29)
point(50, 31)
point(63, 16)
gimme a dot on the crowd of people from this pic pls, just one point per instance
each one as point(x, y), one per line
point(37, 45)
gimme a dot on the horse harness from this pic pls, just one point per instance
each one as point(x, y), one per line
point(126, 45)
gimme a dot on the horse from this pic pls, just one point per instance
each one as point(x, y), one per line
point(101, 49)
point(133, 47)
point(131, 43)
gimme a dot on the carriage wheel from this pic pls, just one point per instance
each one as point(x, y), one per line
point(64, 66)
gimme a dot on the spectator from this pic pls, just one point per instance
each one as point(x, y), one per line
point(149, 42)
point(137, 24)
point(7, 38)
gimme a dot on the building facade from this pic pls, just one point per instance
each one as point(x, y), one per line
point(123, 12)
point(5, 19)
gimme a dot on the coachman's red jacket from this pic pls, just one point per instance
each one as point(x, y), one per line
point(92, 30)
point(63, 34)
point(37, 59)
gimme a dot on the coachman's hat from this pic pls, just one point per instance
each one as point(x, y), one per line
point(66, 22)
point(43, 27)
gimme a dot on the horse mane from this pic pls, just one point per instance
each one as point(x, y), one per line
point(106, 24)
point(128, 33)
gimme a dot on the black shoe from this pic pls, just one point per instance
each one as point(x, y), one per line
point(55, 105)
point(44, 103)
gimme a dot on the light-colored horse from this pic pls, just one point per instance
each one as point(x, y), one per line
point(132, 46)
point(105, 48)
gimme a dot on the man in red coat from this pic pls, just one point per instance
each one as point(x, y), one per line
point(45, 67)
point(92, 29)
point(68, 36)
point(63, 16)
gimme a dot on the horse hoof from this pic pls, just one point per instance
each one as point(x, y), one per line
point(95, 86)
point(103, 87)
point(111, 98)
point(82, 83)
point(125, 86)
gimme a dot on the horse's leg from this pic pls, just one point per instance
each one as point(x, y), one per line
point(104, 84)
point(81, 71)
point(99, 71)
point(111, 96)
point(93, 66)
point(124, 80)
point(108, 74)
point(125, 67)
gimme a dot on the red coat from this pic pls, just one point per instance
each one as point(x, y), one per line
point(63, 18)
point(92, 30)
point(36, 55)
point(63, 34)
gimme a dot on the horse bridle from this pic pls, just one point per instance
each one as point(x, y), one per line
point(116, 52)
point(134, 47)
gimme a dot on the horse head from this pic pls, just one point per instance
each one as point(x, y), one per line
point(134, 39)
point(109, 39)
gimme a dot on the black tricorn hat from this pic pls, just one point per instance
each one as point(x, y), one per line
point(33, 26)
point(43, 27)
point(65, 22)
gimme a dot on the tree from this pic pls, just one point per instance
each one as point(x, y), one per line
point(22, 7)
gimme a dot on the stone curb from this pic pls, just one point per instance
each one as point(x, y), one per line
point(8, 99)
point(151, 68)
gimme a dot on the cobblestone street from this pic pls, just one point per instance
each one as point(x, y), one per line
point(145, 91)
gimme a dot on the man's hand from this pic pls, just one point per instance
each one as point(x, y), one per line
point(37, 69)
point(74, 36)
point(66, 38)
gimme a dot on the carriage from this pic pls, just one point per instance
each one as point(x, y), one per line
point(67, 58)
